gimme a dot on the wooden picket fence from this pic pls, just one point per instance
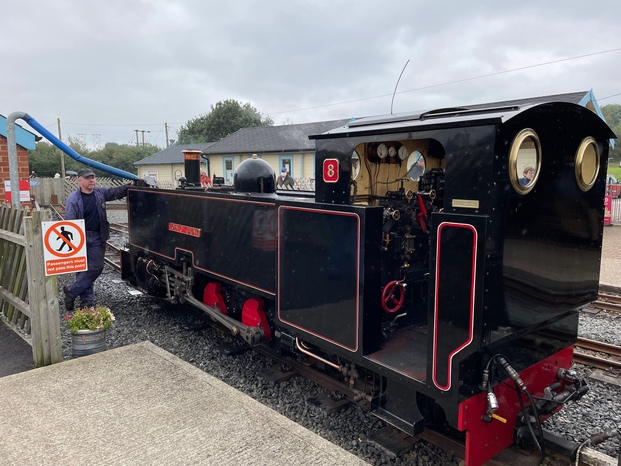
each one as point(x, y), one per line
point(28, 299)
point(300, 184)
point(54, 191)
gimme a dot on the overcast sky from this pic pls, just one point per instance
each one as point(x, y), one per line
point(108, 68)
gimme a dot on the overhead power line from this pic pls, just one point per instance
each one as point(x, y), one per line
point(362, 99)
point(431, 86)
point(609, 96)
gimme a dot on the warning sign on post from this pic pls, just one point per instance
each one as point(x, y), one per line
point(64, 247)
point(24, 191)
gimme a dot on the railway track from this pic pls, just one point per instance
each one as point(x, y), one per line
point(118, 235)
point(113, 256)
point(612, 353)
point(608, 302)
point(58, 211)
point(120, 227)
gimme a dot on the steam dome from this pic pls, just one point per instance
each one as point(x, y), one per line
point(255, 176)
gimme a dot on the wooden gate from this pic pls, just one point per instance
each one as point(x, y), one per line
point(28, 299)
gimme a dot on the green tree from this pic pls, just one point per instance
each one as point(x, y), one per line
point(225, 118)
point(45, 159)
point(123, 156)
point(612, 113)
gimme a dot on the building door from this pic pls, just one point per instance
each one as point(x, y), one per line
point(286, 162)
point(228, 170)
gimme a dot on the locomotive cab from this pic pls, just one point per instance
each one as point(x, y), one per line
point(476, 257)
point(449, 184)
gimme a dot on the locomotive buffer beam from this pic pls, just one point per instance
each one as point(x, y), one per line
point(251, 335)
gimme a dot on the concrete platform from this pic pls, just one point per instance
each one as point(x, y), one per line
point(141, 405)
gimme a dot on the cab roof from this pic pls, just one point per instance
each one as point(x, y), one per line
point(444, 117)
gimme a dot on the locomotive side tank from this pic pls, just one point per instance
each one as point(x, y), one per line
point(433, 271)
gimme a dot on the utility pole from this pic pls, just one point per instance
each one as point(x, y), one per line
point(166, 131)
point(143, 131)
point(140, 131)
point(62, 155)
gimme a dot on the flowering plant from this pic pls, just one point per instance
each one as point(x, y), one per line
point(89, 318)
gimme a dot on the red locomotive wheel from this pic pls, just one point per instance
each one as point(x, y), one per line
point(393, 296)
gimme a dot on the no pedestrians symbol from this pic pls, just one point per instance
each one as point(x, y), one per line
point(64, 247)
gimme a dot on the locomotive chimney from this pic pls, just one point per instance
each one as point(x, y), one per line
point(192, 160)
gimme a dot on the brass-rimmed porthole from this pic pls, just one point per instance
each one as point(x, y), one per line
point(587, 163)
point(525, 161)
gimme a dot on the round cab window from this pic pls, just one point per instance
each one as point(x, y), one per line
point(416, 165)
point(525, 161)
point(587, 163)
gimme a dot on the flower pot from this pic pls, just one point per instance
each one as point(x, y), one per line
point(87, 342)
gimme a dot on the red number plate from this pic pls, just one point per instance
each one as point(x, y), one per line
point(331, 170)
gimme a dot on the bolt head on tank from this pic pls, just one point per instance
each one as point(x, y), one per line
point(255, 175)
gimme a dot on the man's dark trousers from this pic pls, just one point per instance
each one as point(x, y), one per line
point(95, 254)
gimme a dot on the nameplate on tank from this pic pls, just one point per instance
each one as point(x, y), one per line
point(466, 203)
point(184, 229)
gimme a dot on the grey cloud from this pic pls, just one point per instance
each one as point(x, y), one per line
point(110, 67)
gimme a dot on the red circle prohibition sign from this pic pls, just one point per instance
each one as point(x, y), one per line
point(75, 249)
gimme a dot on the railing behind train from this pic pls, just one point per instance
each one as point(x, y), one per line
point(52, 191)
point(616, 211)
point(300, 184)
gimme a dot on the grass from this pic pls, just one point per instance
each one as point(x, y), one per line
point(615, 171)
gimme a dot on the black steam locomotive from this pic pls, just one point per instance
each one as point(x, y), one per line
point(438, 269)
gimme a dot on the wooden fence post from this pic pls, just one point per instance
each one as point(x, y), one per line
point(44, 310)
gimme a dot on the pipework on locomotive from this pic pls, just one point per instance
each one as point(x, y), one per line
point(424, 272)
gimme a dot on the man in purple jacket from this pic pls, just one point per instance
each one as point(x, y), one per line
point(88, 202)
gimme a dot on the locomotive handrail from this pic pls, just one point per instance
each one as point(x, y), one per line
point(68, 150)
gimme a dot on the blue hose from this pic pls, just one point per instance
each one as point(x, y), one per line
point(74, 155)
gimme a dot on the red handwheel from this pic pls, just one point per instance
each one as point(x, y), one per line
point(393, 296)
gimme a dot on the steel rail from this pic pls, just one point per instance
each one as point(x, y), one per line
point(119, 227)
point(116, 265)
point(608, 302)
point(598, 361)
point(599, 346)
